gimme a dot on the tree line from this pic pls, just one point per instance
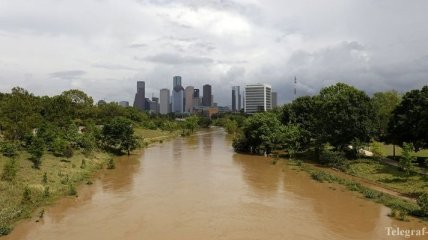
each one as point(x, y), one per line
point(339, 116)
point(70, 121)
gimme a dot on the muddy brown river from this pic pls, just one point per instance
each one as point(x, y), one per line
point(198, 188)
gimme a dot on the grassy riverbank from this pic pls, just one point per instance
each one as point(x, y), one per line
point(376, 181)
point(32, 188)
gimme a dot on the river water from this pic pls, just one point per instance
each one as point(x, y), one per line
point(198, 188)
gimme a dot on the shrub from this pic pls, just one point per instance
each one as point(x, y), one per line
point(321, 176)
point(72, 190)
point(406, 160)
point(376, 149)
point(45, 178)
point(83, 165)
point(26, 195)
point(5, 230)
point(423, 203)
point(36, 150)
point(46, 192)
point(9, 170)
point(111, 164)
point(333, 159)
point(9, 149)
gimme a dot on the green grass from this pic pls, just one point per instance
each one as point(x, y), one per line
point(388, 151)
point(399, 205)
point(388, 176)
point(150, 136)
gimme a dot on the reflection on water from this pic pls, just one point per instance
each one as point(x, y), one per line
point(198, 188)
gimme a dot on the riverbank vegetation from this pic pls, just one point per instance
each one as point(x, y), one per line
point(344, 129)
point(48, 145)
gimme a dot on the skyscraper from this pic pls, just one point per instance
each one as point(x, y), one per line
point(188, 99)
point(140, 96)
point(176, 81)
point(236, 99)
point(177, 101)
point(258, 98)
point(207, 96)
point(164, 101)
point(274, 99)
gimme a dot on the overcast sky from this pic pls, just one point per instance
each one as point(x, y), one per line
point(104, 46)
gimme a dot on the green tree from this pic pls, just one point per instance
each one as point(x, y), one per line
point(346, 113)
point(9, 170)
point(423, 203)
point(407, 158)
point(191, 123)
point(262, 132)
point(118, 135)
point(291, 138)
point(19, 113)
point(9, 149)
point(409, 121)
point(36, 149)
point(384, 104)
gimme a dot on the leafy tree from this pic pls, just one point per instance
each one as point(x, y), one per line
point(191, 123)
point(346, 113)
point(409, 122)
point(384, 104)
point(376, 149)
point(291, 135)
point(19, 113)
point(407, 159)
point(36, 149)
point(118, 135)
point(304, 113)
point(262, 132)
point(231, 126)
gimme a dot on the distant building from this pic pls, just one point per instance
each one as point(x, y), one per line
point(274, 99)
point(176, 81)
point(207, 96)
point(164, 103)
point(236, 99)
point(101, 102)
point(188, 99)
point(195, 93)
point(124, 103)
point(177, 100)
point(154, 105)
point(140, 96)
point(258, 98)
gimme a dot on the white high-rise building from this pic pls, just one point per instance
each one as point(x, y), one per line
point(258, 98)
point(164, 103)
point(188, 99)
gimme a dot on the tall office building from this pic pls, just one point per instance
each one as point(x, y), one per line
point(154, 105)
point(195, 93)
point(177, 101)
point(258, 98)
point(274, 99)
point(188, 99)
point(164, 101)
point(176, 81)
point(207, 96)
point(236, 99)
point(140, 96)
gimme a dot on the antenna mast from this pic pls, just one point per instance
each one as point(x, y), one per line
point(295, 87)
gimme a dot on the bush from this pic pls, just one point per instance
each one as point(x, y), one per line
point(423, 203)
point(321, 176)
point(334, 159)
point(111, 164)
point(9, 149)
point(376, 149)
point(5, 230)
point(72, 190)
point(61, 148)
point(9, 170)
point(26, 195)
point(45, 178)
point(407, 159)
